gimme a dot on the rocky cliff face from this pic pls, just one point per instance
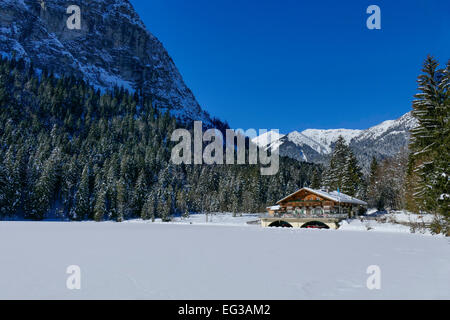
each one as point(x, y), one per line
point(112, 48)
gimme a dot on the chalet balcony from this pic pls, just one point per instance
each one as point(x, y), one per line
point(284, 215)
point(308, 203)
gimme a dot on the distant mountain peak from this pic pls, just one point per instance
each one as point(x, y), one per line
point(316, 145)
point(404, 124)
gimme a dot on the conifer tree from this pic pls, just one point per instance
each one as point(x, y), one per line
point(121, 200)
point(3, 191)
point(100, 208)
point(372, 183)
point(139, 193)
point(11, 187)
point(44, 189)
point(82, 196)
point(149, 209)
point(343, 172)
point(100, 205)
point(429, 141)
point(352, 176)
point(316, 180)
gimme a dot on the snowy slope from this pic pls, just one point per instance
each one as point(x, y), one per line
point(302, 139)
point(383, 140)
point(270, 139)
point(168, 261)
point(328, 137)
point(113, 48)
point(389, 127)
point(284, 144)
point(320, 141)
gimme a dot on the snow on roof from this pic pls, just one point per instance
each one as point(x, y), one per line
point(274, 208)
point(444, 196)
point(335, 196)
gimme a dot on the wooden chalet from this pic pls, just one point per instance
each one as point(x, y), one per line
point(308, 202)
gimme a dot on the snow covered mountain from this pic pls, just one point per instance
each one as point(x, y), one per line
point(313, 145)
point(328, 137)
point(383, 140)
point(112, 48)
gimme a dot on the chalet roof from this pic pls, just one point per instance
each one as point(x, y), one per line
point(334, 196)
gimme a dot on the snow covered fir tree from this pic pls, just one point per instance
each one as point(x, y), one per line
point(344, 173)
point(417, 178)
point(429, 162)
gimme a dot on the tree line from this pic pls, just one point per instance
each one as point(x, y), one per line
point(70, 151)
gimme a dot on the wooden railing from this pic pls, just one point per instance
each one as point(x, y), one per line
point(293, 216)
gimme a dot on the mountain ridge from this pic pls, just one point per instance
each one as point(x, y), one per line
point(316, 145)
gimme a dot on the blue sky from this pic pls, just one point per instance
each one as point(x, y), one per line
point(293, 65)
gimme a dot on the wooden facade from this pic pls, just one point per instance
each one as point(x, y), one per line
point(310, 202)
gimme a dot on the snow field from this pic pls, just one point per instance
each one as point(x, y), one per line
point(183, 261)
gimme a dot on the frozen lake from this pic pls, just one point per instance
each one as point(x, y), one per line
point(182, 261)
